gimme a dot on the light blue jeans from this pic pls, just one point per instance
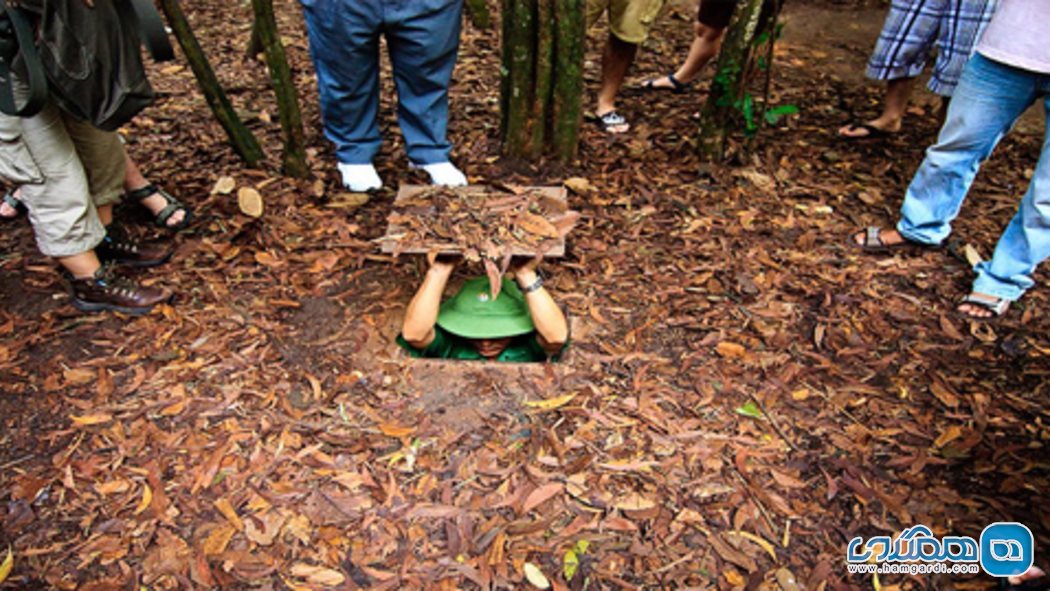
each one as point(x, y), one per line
point(989, 99)
point(422, 37)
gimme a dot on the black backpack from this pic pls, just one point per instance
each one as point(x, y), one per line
point(91, 56)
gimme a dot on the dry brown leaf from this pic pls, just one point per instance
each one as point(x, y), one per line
point(731, 350)
point(218, 539)
point(578, 185)
point(229, 513)
point(542, 495)
point(88, 420)
point(317, 575)
point(538, 225)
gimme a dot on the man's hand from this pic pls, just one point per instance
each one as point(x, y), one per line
point(442, 264)
point(525, 272)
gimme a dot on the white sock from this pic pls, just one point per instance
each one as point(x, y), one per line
point(444, 173)
point(360, 177)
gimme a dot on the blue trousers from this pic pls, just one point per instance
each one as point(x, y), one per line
point(422, 37)
point(989, 99)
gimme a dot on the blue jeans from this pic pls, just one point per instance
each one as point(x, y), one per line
point(422, 37)
point(989, 99)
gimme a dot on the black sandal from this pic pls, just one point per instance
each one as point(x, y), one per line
point(612, 119)
point(676, 87)
point(873, 133)
point(173, 206)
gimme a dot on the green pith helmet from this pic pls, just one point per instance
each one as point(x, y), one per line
point(473, 314)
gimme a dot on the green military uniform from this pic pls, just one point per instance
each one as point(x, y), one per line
point(473, 314)
point(523, 349)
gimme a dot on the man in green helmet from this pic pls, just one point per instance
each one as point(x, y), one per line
point(522, 324)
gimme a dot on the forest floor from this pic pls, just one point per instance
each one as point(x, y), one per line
point(743, 395)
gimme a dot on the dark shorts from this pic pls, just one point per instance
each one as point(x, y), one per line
point(716, 13)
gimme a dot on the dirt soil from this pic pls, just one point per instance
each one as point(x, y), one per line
point(744, 393)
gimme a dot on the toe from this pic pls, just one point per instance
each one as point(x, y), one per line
point(974, 311)
point(176, 218)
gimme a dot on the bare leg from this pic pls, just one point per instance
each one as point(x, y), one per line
point(134, 179)
point(81, 266)
point(105, 214)
point(705, 46)
point(898, 92)
point(616, 61)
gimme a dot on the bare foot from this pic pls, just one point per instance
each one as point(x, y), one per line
point(869, 128)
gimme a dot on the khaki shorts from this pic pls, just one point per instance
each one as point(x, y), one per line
point(65, 168)
point(629, 20)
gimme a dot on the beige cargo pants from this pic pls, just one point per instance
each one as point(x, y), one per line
point(65, 168)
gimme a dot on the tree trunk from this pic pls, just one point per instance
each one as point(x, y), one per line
point(542, 85)
point(729, 102)
point(567, 103)
point(241, 138)
point(519, 57)
point(255, 44)
point(294, 158)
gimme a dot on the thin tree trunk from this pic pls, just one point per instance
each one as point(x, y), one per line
point(519, 52)
point(255, 44)
point(728, 96)
point(542, 79)
point(241, 138)
point(567, 95)
point(294, 157)
point(542, 86)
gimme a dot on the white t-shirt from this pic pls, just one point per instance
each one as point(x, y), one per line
point(1019, 35)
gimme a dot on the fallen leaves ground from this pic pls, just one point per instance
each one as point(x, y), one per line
point(744, 392)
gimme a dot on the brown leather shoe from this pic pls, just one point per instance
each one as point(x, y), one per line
point(107, 291)
point(118, 247)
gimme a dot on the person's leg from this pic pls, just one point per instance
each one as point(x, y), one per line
point(712, 19)
point(65, 222)
point(894, 103)
point(705, 46)
point(988, 100)
point(962, 24)
point(990, 97)
point(908, 34)
point(629, 24)
point(1026, 241)
point(616, 60)
point(423, 64)
point(64, 219)
point(104, 162)
point(344, 45)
